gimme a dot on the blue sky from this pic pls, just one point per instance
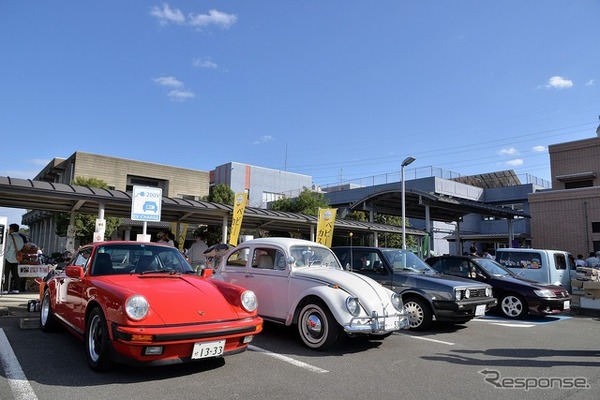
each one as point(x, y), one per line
point(339, 90)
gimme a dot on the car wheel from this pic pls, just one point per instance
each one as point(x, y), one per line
point(513, 306)
point(419, 314)
point(317, 327)
point(97, 341)
point(47, 320)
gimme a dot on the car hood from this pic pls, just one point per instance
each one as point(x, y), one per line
point(524, 283)
point(175, 299)
point(370, 293)
point(433, 280)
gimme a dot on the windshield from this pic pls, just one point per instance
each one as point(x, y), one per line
point(493, 268)
point(308, 256)
point(405, 260)
point(138, 258)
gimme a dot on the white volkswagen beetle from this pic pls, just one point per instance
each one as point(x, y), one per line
point(302, 282)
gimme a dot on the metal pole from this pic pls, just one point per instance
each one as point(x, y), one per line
point(403, 211)
point(407, 161)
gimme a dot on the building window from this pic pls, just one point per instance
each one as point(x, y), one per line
point(579, 184)
point(596, 227)
point(268, 197)
point(144, 181)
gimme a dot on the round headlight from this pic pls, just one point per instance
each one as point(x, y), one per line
point(248, 299)
point(467, 293)
point(353, 306)
point(397, 302)
point(488, 292)
point(136, 307)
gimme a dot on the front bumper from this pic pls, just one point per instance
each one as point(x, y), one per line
point(377, 324)
point(128, 343)
point(548, 306)
point(464, 310)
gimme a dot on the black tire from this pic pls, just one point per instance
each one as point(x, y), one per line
point(419, 314)
point(513, 306)
point(97, 343)
point(48, 321)
point(317, 327)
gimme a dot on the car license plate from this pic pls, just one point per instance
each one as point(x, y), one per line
point(208, 349)
point(392, 323)
point(480, 310)
point(567, 305)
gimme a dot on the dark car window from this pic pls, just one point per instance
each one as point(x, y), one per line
point(407, 261)
point(560, 261)
point(493, 268)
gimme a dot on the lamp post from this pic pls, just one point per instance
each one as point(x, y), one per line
point(407, 161)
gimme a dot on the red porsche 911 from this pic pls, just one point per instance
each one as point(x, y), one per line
point(142, 303)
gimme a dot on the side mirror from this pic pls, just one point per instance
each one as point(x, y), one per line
point(74, 271)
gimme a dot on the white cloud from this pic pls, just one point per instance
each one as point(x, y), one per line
point(508, 151)
point(166, 15)
point(214, 17)
point(263, 139)
point(591, 82)
point(181, 95)
point(205, 62)
point(558, 82)
point(169, 81)
point(515, 163)
point(538, 149)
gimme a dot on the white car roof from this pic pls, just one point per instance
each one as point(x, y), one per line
point(281, 241)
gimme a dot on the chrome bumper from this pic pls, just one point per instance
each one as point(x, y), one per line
point(377, 324)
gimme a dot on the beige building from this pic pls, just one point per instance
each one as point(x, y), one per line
point(567, 217)
point(123, 174)
point(120, 174)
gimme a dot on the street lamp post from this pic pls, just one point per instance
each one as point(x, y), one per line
point(407, 161)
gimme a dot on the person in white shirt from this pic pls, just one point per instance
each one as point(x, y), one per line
point(14, 243)
point(196, 252)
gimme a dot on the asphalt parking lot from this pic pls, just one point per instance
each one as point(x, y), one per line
point(490, 357)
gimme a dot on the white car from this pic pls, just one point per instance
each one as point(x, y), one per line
point(302, 282)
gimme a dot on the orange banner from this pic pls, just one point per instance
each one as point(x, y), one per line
point(325, 225)
point(238, 213)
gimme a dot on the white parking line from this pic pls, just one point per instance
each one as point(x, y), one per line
point(432, 340)
point(510, 325)
point(292, 361)
point(12, 369)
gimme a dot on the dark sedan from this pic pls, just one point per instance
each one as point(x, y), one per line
point(517, 297)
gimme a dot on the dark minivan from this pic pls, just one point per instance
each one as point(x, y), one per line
point(427, 295)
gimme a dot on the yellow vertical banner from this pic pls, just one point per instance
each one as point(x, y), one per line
point(325, 225)
point(238, 213)
point(179, 234)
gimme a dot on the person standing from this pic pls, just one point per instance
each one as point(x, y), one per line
point(14, 243)
point(592, 261)
point(196, 252)
point(580, 262)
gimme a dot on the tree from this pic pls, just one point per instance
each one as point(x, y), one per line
point(218, 194)
point(221, 194)
point(85, 224)
point(307, 202)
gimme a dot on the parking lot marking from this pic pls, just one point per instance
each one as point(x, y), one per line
point(432, 340)
point(17, 380)
point(513, 325)
point(290, 360)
